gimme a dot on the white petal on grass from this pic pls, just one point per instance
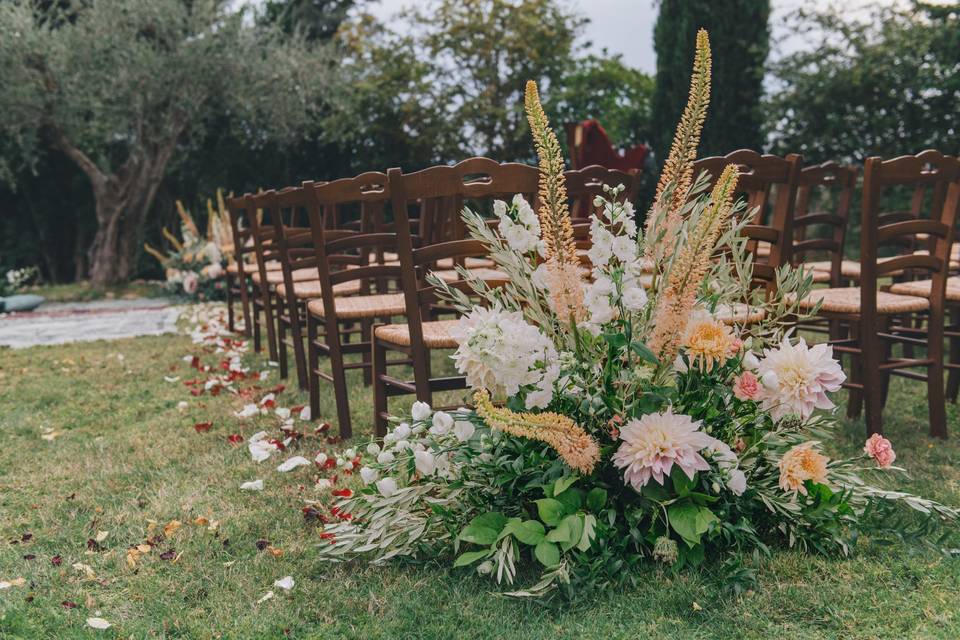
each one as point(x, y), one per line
point(253, 485)
point(98, 623)
point(292, 463)
point(305, 413)
point(266, 596)
point(171, 378)
point(286, 583)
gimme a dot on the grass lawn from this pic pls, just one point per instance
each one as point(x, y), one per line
point(121, 457)
point(84, 292)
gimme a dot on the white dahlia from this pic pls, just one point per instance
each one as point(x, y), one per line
point(797, 378)
point(657, 441)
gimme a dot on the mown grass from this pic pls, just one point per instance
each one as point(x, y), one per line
point(124, 456)
point(83, 291)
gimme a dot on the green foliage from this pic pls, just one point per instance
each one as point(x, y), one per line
point(739, 35)
point(886, 85)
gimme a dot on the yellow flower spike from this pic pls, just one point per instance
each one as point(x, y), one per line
point(187, 220)
point(679, 297)
point(678, 169)
point(556, 230)
point(162, 259)
point(576, 448)
point(173, 239)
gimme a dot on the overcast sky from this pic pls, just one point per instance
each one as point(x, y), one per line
point(626, 26)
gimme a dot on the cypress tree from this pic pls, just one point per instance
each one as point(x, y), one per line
point(740, 39)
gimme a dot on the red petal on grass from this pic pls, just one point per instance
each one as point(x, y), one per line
point(235, 438)
point(168, 555)
point(66, 604)
point(278, 389)
point(203, 427)
point(268, 404)
point(56, 561)
point(196, 392)
point(195, 362)
point(342, 493)
point(324, 426)
point(215, 390)
point(26, 536)
point(29, 556)
point(278, 444)
point(297, 409)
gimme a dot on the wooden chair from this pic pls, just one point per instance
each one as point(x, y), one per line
point(583, 185)
point(343, 260)
point(473, 179)
point(769, 184)
point(868, 310)
point(835, 184)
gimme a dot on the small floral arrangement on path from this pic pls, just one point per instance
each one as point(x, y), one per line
point(196, 265)
point(628, 411)
point(14, 280)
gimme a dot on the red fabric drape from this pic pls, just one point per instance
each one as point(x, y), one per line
point(595, 148)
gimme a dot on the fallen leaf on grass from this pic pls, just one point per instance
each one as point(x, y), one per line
point(101, 536)
point(286, 583)
point(98, 623)
point(144, 548)
point(171, 528)
point(86, 569)
point(253, 485)
point(182, 406)
point(16, 582)
point(168, 555)
point(275, 552)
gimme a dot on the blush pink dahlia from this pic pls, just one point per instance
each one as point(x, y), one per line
point(881, 450)
point(797, 378)
point(653, 444)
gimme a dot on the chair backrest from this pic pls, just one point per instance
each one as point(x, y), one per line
point(242, 235)
point(929, 170)
point(583, 185)
point(823, 185)
point(345, 255)
point(763, 176)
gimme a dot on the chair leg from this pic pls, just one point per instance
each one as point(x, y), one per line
point(245, 306)
point(281, 326)
point(855, 397)
point(870, 356)
point(313, 366)
point(379, 354)
point(268, 322)
point(339, 376)
point(231, 326)
point(366, 328)
point(296, 331)
point(885, 349)
point(935, 396)
point(953, 377)
point(257, 339)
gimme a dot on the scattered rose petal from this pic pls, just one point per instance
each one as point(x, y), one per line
point(98, 623)
point(202, 427)
point(56, 561)
point(293, 463)
point(102, 535)
point(16, 582)
point(85, 568)
point(168, 555)
point(29, 556)
point(253, 485)
point(305, 413)
point(283, 413)
point(286, 583)
point(342, 493)
point(266, 596)
point(67, 604)
point(248, 411)
point(235, 438)
point(171, 378)
point(182, 406)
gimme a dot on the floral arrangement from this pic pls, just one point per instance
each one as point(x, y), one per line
point(15, 280)
point(646, 403)
point(196, 265)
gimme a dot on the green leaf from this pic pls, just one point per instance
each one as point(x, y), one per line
point(644, 352)
point(547, 553)
point(471, 556)
point(596, 499)
point(589, 523)
point(616, 340)
point(484, 529)
point(572, 500)
point(690, 521)
point(563, 484)
point(568, 533)
point(550, 511)
point(528, 532)
point(681, 483)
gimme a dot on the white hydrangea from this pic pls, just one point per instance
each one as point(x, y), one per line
point(523, 233)
point(499, 351)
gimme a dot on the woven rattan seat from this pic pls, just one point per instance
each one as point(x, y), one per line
point(276, 277)
point(738, 313)
point(923, 288)
point(819, 276)
point(851, 268)
point(311, 289)
point(436, 334)
point(469, 263)
point(847, 300)
point(380, 305)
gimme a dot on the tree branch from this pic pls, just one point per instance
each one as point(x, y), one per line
point(89, 167)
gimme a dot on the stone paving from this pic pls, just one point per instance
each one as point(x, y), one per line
point(59, 323)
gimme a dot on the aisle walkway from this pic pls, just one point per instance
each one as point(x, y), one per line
point(59, 323)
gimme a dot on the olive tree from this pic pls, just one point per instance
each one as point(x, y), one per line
point(118, 85)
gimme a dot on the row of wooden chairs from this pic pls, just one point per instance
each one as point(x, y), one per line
point(362, 247)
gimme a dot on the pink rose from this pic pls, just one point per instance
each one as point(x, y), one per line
point(735, 346)
point(880, 449)
point(746, 386)
point(190, 283)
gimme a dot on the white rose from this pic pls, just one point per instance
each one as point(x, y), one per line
point(420, 411)
point(425, 462)
point(770, 380)
point(373, 448)
point(442, 423)
point(463, 429)
point(387, 487)
point(737, 482)
point(368, 475)
point(750, 361)
point(401, 445)
point(499, 208)
point(402, 432)
point(385, 457)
